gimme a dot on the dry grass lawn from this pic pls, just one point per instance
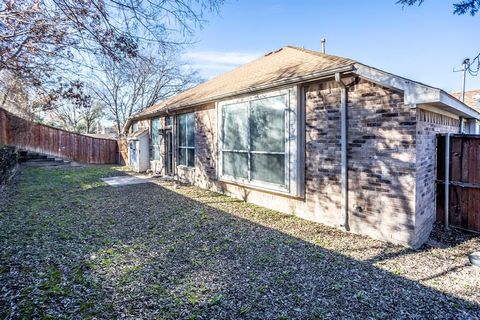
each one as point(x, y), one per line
point(74, 248)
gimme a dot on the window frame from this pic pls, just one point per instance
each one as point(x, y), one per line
point(186, 147)
point(292, 141)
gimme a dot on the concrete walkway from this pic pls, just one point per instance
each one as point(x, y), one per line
point(126, 180)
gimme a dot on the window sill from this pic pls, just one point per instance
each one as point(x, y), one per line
point(266, 189)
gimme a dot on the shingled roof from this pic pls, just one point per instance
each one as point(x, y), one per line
point(280, 66)
point(291, 65)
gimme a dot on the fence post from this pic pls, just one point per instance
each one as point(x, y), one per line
point(447, 179)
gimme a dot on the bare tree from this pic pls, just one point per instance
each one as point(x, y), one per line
point(33, 32)
point(91, 116)
point(71, 106)
point(16, 96)
point(40, 39)
point(132, 86)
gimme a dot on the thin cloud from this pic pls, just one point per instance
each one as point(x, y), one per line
point(220, 67)
point(212, 63)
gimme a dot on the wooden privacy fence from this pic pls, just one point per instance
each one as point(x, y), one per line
point(39, 138)
point(460, 171)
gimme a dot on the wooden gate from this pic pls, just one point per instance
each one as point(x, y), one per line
point(463, 181)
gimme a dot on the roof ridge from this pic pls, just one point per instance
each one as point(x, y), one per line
point(317, 53)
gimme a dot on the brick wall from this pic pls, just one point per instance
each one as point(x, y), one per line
point(429, 124)
point(381, 147)
point(204, 173)
point(387, 140)
point(322, 153)
point(206, 146)
point(381, 159)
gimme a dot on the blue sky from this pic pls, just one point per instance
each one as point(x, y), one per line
point(422, 43)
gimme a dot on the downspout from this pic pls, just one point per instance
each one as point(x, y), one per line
point(344, 145)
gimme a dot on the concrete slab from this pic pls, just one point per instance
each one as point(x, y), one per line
point(125, 180)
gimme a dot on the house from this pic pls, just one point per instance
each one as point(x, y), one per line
point(322, 137)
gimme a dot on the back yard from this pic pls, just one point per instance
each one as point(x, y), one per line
point(73, 247)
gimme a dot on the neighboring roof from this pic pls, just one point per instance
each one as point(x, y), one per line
point(287, 63)
point(102, 135)
point(290, 65)
point(472, 98)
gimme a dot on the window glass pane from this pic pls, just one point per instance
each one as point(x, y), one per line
point(168, 121)
point(186, 137)
point(268, 168)
point(235, 126)
point(182, 138)
point(182, 156)
point(190, 129)
point(155, 131)
point(191, 157)
point(235, 164)
point(267, 124)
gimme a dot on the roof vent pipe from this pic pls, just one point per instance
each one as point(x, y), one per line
point(322, 42)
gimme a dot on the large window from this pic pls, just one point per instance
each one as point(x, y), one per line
point(258, 140)
point(186, 139)
point(155, 141)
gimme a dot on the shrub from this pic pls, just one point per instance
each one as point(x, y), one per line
point(8, 163)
